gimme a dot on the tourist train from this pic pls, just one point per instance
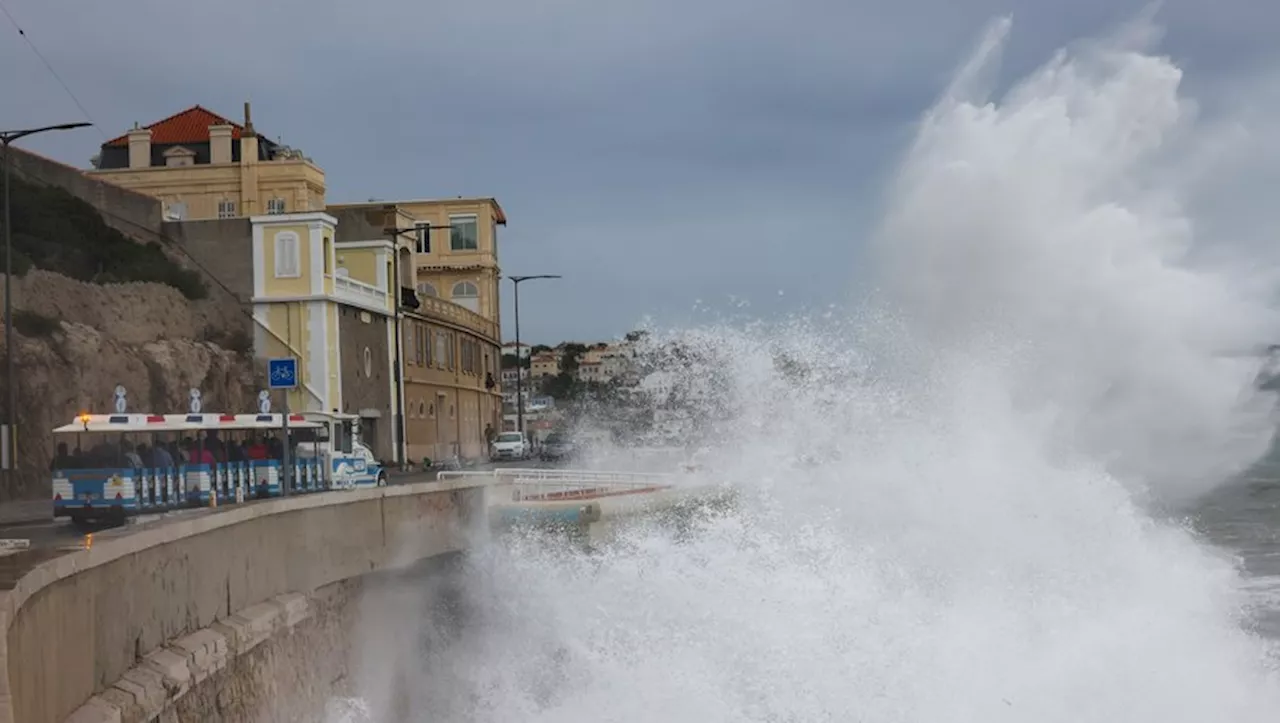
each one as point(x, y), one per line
point(108, 467)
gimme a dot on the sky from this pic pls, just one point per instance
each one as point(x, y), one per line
point(662, 157)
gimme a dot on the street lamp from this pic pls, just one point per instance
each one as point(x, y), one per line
point(399, 301)
point(515, 281)
point(11, 438)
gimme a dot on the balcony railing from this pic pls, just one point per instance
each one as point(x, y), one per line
point(451, 312)
point(360, 291)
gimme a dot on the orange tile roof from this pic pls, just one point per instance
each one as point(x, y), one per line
point(189, 126)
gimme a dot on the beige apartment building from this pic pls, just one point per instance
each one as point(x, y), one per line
point(455, 247)
point(450, 316)
point(546, 364)
point(203, 166)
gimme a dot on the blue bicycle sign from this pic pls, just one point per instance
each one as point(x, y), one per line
point(282, 373)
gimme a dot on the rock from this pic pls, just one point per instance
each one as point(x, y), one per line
point(147, 337)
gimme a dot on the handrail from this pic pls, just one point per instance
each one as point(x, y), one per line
point(361, 290)
point(547, 484)
point(516, 474)
point(449, 311)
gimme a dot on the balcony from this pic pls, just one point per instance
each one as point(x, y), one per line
point(360, 293)
point(438, 308)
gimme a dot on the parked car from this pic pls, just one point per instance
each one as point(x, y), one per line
point(557, 447)
point(509, 445)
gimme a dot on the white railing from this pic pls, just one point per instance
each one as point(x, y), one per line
point(360, 291)
point(531, 484)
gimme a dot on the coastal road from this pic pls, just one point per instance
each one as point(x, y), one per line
point(32, 520)
point(47, 538)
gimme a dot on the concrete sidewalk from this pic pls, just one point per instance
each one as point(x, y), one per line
point(12, 513)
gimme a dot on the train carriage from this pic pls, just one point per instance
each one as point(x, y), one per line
point(112, 466)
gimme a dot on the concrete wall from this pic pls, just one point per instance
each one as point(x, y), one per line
point(223, 247)
point(76, 624)
point(129, 212)
point(367, 388)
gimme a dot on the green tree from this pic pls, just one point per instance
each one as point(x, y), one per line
point(570, 356)
point(509, 361)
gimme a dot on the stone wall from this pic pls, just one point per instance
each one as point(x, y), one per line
point(77, 624)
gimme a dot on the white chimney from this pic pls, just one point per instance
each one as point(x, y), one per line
point(220, 144)
point(139, 148)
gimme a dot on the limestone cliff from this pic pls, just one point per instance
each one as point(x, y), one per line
point(76, 341)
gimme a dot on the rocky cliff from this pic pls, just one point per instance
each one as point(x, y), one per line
point(76, 341)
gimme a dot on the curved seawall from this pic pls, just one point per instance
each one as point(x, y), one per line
point(119, 623)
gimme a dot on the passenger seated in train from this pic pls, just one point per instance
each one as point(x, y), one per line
point(63, 460)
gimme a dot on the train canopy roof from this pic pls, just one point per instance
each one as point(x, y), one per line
point(145, 423)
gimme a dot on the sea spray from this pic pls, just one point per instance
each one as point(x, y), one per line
point(950, 504)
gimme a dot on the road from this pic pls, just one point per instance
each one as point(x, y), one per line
point(50, 538)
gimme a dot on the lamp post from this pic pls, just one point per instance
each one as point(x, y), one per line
point(11, 438)
point(515, 281)
point(395, 233)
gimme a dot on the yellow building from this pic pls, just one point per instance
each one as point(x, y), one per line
point(455, 254)
point(203, 166)
point(451, 369)
point(450, 317)
point(546, 364)
point(295, 309)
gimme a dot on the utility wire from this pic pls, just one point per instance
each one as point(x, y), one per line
point(49, 67)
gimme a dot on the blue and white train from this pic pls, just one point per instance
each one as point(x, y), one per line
point(109, 467)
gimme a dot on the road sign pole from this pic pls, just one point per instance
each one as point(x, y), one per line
point(283, 374)
point(286, 484)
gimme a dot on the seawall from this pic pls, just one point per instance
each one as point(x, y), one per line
point(119, 622)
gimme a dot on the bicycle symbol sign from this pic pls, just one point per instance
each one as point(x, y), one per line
point(282, 373)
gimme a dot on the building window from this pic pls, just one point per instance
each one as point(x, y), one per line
point(368, 363)
point(275, 206)
point(288, 260)
point(424, 238)
point(426, 289)
point(426, 344)
point(466, 295)
point(462, 233)
point(226, 209)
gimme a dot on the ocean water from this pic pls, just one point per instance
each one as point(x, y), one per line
point(976, 495)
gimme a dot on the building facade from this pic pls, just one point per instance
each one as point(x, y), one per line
point(201, 165)
point(295, 310)
point(545, 364)
point(450, 353)
point(455, 248)
point(451, 367)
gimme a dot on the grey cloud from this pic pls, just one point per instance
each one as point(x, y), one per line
point(654, 153)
